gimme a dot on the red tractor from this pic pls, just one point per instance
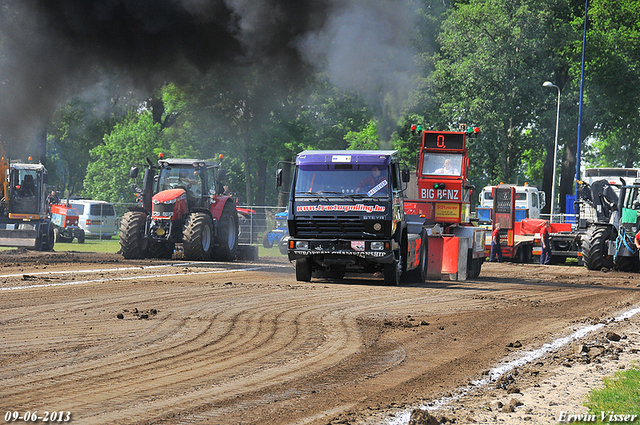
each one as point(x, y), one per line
point(182, 204)
point(64, 219)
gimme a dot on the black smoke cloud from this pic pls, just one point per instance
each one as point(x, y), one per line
point(50, 50)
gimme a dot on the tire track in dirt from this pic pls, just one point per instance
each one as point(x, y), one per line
point(217, 348)
point(249, 327)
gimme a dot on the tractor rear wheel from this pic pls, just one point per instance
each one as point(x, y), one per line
point(594, 248)
point(198, 236)
point(132, 241)
point(227, 248)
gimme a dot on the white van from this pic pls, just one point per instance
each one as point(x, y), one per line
point(97, 218)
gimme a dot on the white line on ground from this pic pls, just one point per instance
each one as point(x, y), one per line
point(115, 269)
point(403, 417)
point(80, 282)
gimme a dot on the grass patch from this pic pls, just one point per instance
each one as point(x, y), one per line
point(90, 245)
point(269, 252)
point(620, 395)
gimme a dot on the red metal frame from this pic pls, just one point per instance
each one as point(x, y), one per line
point(442, 198)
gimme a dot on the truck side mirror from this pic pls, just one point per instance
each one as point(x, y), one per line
point(279, 177)
point(406, 176)
point(133, 172)
point(543, 201)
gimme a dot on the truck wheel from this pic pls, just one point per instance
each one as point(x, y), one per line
point(594, 248)
point(56, 235)
point(303, 270)
point(198, 237)
point(474, 266)
point(265, 240)
point(419, 274)
point(393, 272)
point(132, 241)
point(80, 236)
point(227, 248)
point(161, 250)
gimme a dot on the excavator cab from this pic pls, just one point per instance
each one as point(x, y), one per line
point(27, 189)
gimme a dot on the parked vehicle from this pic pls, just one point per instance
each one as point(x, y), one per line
point(97, 218)
point(529, 202)
point(279, 235)
point(64, 219)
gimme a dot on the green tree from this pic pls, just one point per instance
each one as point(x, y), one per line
point(495, 55)
point(612, 90)
point(367, 139)
point(129, 143)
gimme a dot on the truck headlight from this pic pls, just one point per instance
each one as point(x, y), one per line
point(377, 246)
point(302, 245)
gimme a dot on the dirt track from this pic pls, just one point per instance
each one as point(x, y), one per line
point(115, 341)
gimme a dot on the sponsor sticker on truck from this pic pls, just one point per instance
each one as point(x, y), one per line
point(341, 208)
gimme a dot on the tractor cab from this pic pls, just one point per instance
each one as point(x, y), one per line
point(27, 190)
point(194, 180)
point(629, 209)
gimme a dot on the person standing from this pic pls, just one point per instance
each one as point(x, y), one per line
point(496, 249)
point(636, 240)
point(52, 199)
point(545, 256)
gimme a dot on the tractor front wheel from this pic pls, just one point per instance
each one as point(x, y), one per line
point(594, 248)
point(133, 244)
point(198, 236)
point(227, 248)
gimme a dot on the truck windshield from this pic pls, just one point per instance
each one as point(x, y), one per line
point(448, 164)
point(343, 179)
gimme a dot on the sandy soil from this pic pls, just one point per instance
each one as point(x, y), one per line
point(115, 341)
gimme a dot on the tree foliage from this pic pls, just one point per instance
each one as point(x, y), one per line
point(128, 144)
point(481, 62)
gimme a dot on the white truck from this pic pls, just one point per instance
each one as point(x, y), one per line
point(529, 203)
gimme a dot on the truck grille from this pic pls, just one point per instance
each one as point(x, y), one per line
point(329, 226)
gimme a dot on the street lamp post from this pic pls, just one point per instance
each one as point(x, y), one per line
point(555, 149)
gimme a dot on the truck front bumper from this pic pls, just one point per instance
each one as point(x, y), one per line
point(342, 252)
